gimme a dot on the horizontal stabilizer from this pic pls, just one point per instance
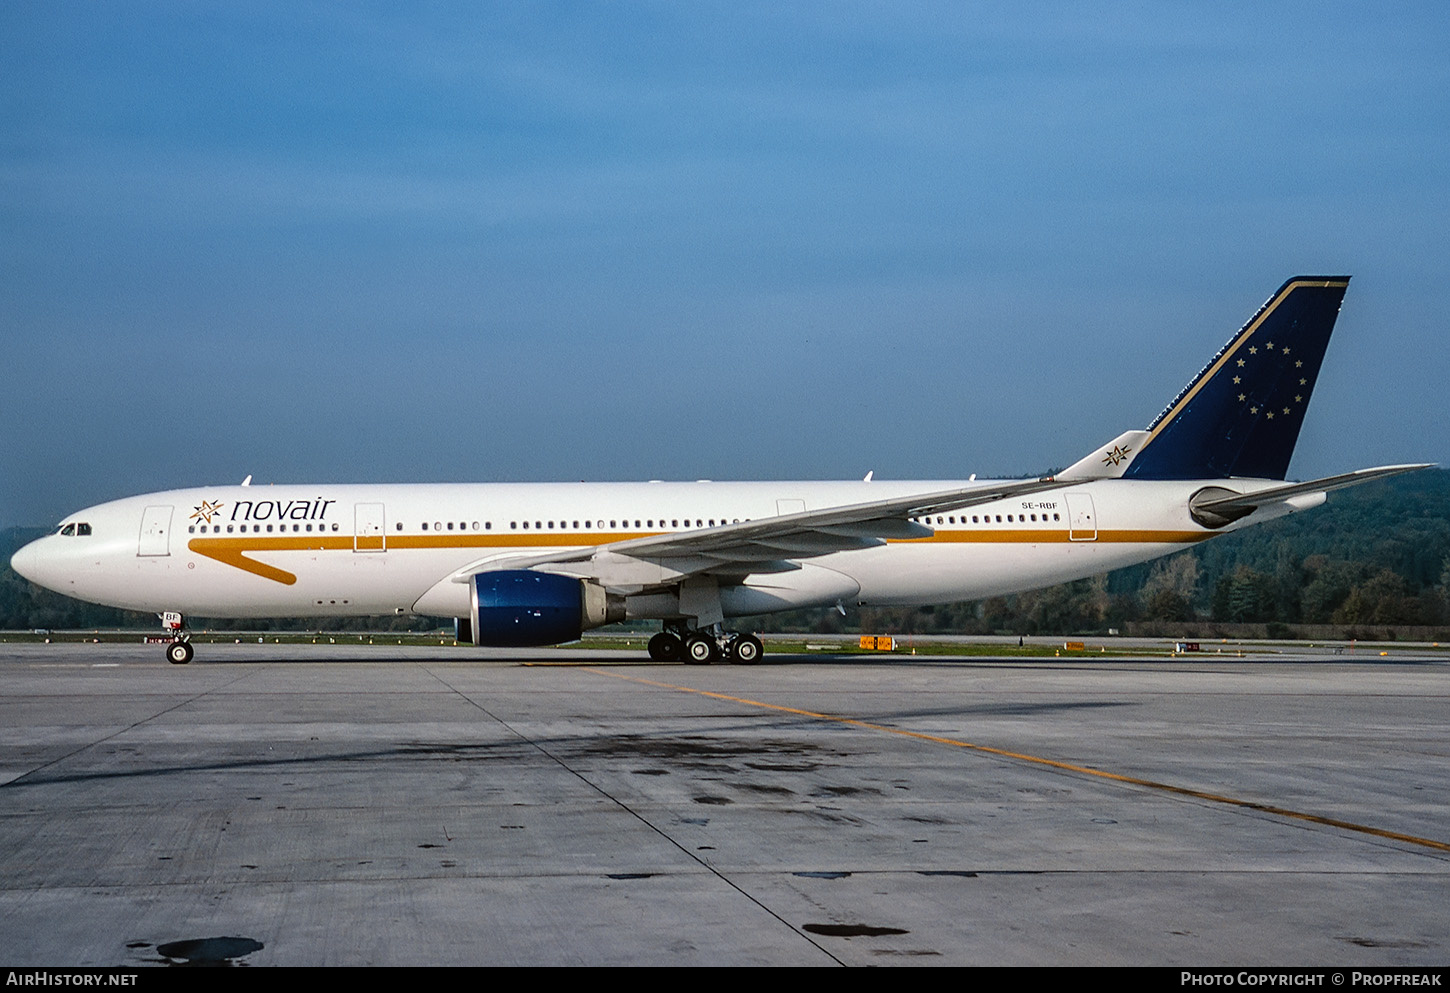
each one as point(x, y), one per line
point(1226, 505)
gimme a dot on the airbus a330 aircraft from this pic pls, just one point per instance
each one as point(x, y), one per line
point(537, 564)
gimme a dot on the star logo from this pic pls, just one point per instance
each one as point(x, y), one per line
point(1115, 455)
point(206, 510)
point(1253, 349)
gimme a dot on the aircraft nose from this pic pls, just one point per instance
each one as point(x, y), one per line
point(28, 561)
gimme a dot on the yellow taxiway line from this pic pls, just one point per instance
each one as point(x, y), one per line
point(1050, 763)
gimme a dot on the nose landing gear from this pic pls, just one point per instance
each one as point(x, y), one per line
point(178, 649)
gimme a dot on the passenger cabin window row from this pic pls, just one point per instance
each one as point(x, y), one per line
point(255, 528)
point(77, 528)
point(575, 525)
point(450, 526)
point(605, 525)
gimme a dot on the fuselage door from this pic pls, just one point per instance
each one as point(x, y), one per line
point(155, 531)
point(369, 534)
point(1082, 521)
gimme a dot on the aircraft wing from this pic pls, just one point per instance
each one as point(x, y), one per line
point(756, 546)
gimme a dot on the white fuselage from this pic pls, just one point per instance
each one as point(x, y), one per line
point(338, 550)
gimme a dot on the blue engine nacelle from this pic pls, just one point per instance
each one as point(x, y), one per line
point(514, 608)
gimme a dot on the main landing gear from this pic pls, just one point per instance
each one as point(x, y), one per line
point(178, 649)
point(676, 643)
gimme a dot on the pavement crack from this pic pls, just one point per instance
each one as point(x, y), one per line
point(622, 805)
point(21, 780)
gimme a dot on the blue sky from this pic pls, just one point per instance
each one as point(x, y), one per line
point(572, 241)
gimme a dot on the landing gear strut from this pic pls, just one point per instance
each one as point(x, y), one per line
point(178, 650)
point(677, 643)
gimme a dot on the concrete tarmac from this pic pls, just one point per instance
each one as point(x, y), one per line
point(326, 805)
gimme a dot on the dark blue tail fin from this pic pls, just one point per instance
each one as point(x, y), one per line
point(1241, 415)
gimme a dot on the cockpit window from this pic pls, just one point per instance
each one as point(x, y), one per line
point(74, 528)
point(83, 529)
point(68, 530)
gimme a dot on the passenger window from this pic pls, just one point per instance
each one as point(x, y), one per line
point(425, 525)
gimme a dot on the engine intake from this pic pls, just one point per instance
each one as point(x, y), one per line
point(514, 608)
